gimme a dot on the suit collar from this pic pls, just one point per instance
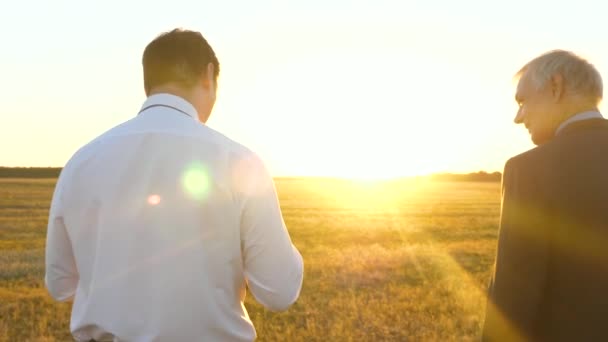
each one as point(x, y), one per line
point(579, 117)
point(583, 125)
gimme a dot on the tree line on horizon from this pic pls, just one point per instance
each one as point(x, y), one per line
point(29, 172)
point(480, 176)
point(53, 172)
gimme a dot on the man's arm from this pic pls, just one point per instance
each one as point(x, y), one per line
point(61, 277)
point(521, 261)
point(273, 266)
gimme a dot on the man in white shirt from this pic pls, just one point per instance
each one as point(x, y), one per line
point(157, 226)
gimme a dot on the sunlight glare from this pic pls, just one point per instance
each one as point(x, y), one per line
point(153, 199)
point(195, 181)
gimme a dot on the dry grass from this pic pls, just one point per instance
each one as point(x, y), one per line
point(391, 261)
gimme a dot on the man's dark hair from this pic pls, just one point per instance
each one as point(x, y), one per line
point(178, 56)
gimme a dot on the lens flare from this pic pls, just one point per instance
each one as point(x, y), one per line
point(195, 181)
point(153, 199)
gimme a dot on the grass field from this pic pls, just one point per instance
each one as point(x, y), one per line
point(391, 261)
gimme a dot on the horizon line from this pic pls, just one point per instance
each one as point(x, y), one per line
point(317, 176)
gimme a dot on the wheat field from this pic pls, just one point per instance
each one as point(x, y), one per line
point(405, 260)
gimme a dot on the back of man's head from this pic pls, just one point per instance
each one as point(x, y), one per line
point(581, 78)
point(177, 57)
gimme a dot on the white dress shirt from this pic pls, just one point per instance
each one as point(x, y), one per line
point(579, 117)
point(157, 226)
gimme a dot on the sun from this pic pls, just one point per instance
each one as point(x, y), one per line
point(380, 169)
point(369, 175)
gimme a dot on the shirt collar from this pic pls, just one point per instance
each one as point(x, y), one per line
point(177, 103)
point(579, 117)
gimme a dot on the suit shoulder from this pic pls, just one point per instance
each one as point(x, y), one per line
point(534, 157)
point(518, 160)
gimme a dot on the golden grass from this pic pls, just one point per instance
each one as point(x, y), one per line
point(384, 261)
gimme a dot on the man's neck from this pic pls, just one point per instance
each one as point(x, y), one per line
point(572, 107)
point(173, 90)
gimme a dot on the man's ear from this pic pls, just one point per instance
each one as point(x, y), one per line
point(208, 78)
point(557, 87)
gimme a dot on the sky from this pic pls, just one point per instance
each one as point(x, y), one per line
point(334, 88)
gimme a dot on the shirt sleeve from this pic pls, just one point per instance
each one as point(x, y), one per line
point(273, 266)
point(61, 276)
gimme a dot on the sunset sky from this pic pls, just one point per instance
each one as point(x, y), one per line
point(319, 87)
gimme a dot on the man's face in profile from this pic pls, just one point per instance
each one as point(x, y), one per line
point(536, 110)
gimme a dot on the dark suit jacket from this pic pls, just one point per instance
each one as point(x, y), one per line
point(551, 276)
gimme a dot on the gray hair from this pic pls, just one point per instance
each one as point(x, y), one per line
point(580, 77)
